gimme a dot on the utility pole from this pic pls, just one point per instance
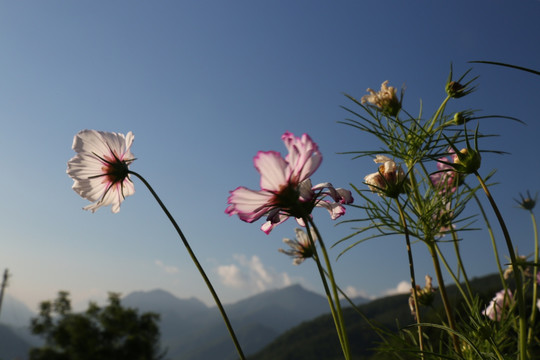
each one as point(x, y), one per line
point(3, 286)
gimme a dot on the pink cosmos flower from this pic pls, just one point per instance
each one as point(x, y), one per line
point(286, 189)
point(100, 168)
point(496, 307)
point(445, 179)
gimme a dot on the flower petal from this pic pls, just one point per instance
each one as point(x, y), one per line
point(304, 157)
point(273, 170)
point(335, 209)
point(248, 204)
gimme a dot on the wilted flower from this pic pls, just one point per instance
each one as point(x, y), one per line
point(389, 180)
point(527, 203)
point(498, 304)
point(424, 295)
point(386, 99)
point(286, 189)
point(100, 168)
point(301, 248)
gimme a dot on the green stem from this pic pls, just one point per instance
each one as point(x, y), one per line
point(456, 280)
point(197, 264)
point(413, 277)
point(516, 272)
point(332, 299)
point(438, 113)
point(322, 273)
point(444, 295)
point(460, 263)
point(535, 282)
point(493, 243)
point(375, 328)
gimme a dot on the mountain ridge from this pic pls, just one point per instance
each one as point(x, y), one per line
point(191, 330)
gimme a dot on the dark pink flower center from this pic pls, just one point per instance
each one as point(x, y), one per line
point(287, 199)
point(114, 169)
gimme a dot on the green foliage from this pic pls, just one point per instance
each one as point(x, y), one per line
point(392, 332)
point(111, 332)
point(441, 158)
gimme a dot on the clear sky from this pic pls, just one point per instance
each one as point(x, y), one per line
point(204, 85)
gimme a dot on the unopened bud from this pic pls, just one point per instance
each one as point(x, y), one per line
point(460, 119)
point(468, 161)
point(455, 89)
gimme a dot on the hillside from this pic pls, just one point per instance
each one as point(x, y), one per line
point(317, 339)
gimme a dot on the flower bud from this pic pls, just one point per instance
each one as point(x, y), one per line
point(467, 161)
point(460, 118)
point(527, 203)
point(455, 89)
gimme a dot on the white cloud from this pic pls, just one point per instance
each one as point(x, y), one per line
point(251, 274)
point(167, 268)
point(403, 287)
point(286, 279)
point(231, 276)
point(353, 292)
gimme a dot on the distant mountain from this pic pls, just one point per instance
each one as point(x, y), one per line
point(12, 346)
point(15, 312)
point(192, 331)
point(165, 302)
point(15, 336)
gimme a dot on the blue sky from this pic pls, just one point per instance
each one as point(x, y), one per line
point(204, 85)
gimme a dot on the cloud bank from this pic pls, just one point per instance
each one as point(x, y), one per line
point(249, 273)
point(169, 269)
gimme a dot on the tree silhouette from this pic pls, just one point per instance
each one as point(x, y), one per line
point(107, 333)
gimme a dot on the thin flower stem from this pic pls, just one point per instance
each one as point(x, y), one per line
point(460, 263)
point(493, 243)
point(517, 274)
point(366, 319)
point(444, 295)
point(438, 113)
point(197, 264)
point(338, 315)
point(413, 278)
point(535, 279)
point(322, 273)
point(456, 280)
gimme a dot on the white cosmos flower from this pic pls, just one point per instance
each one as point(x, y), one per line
point(100, 168)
